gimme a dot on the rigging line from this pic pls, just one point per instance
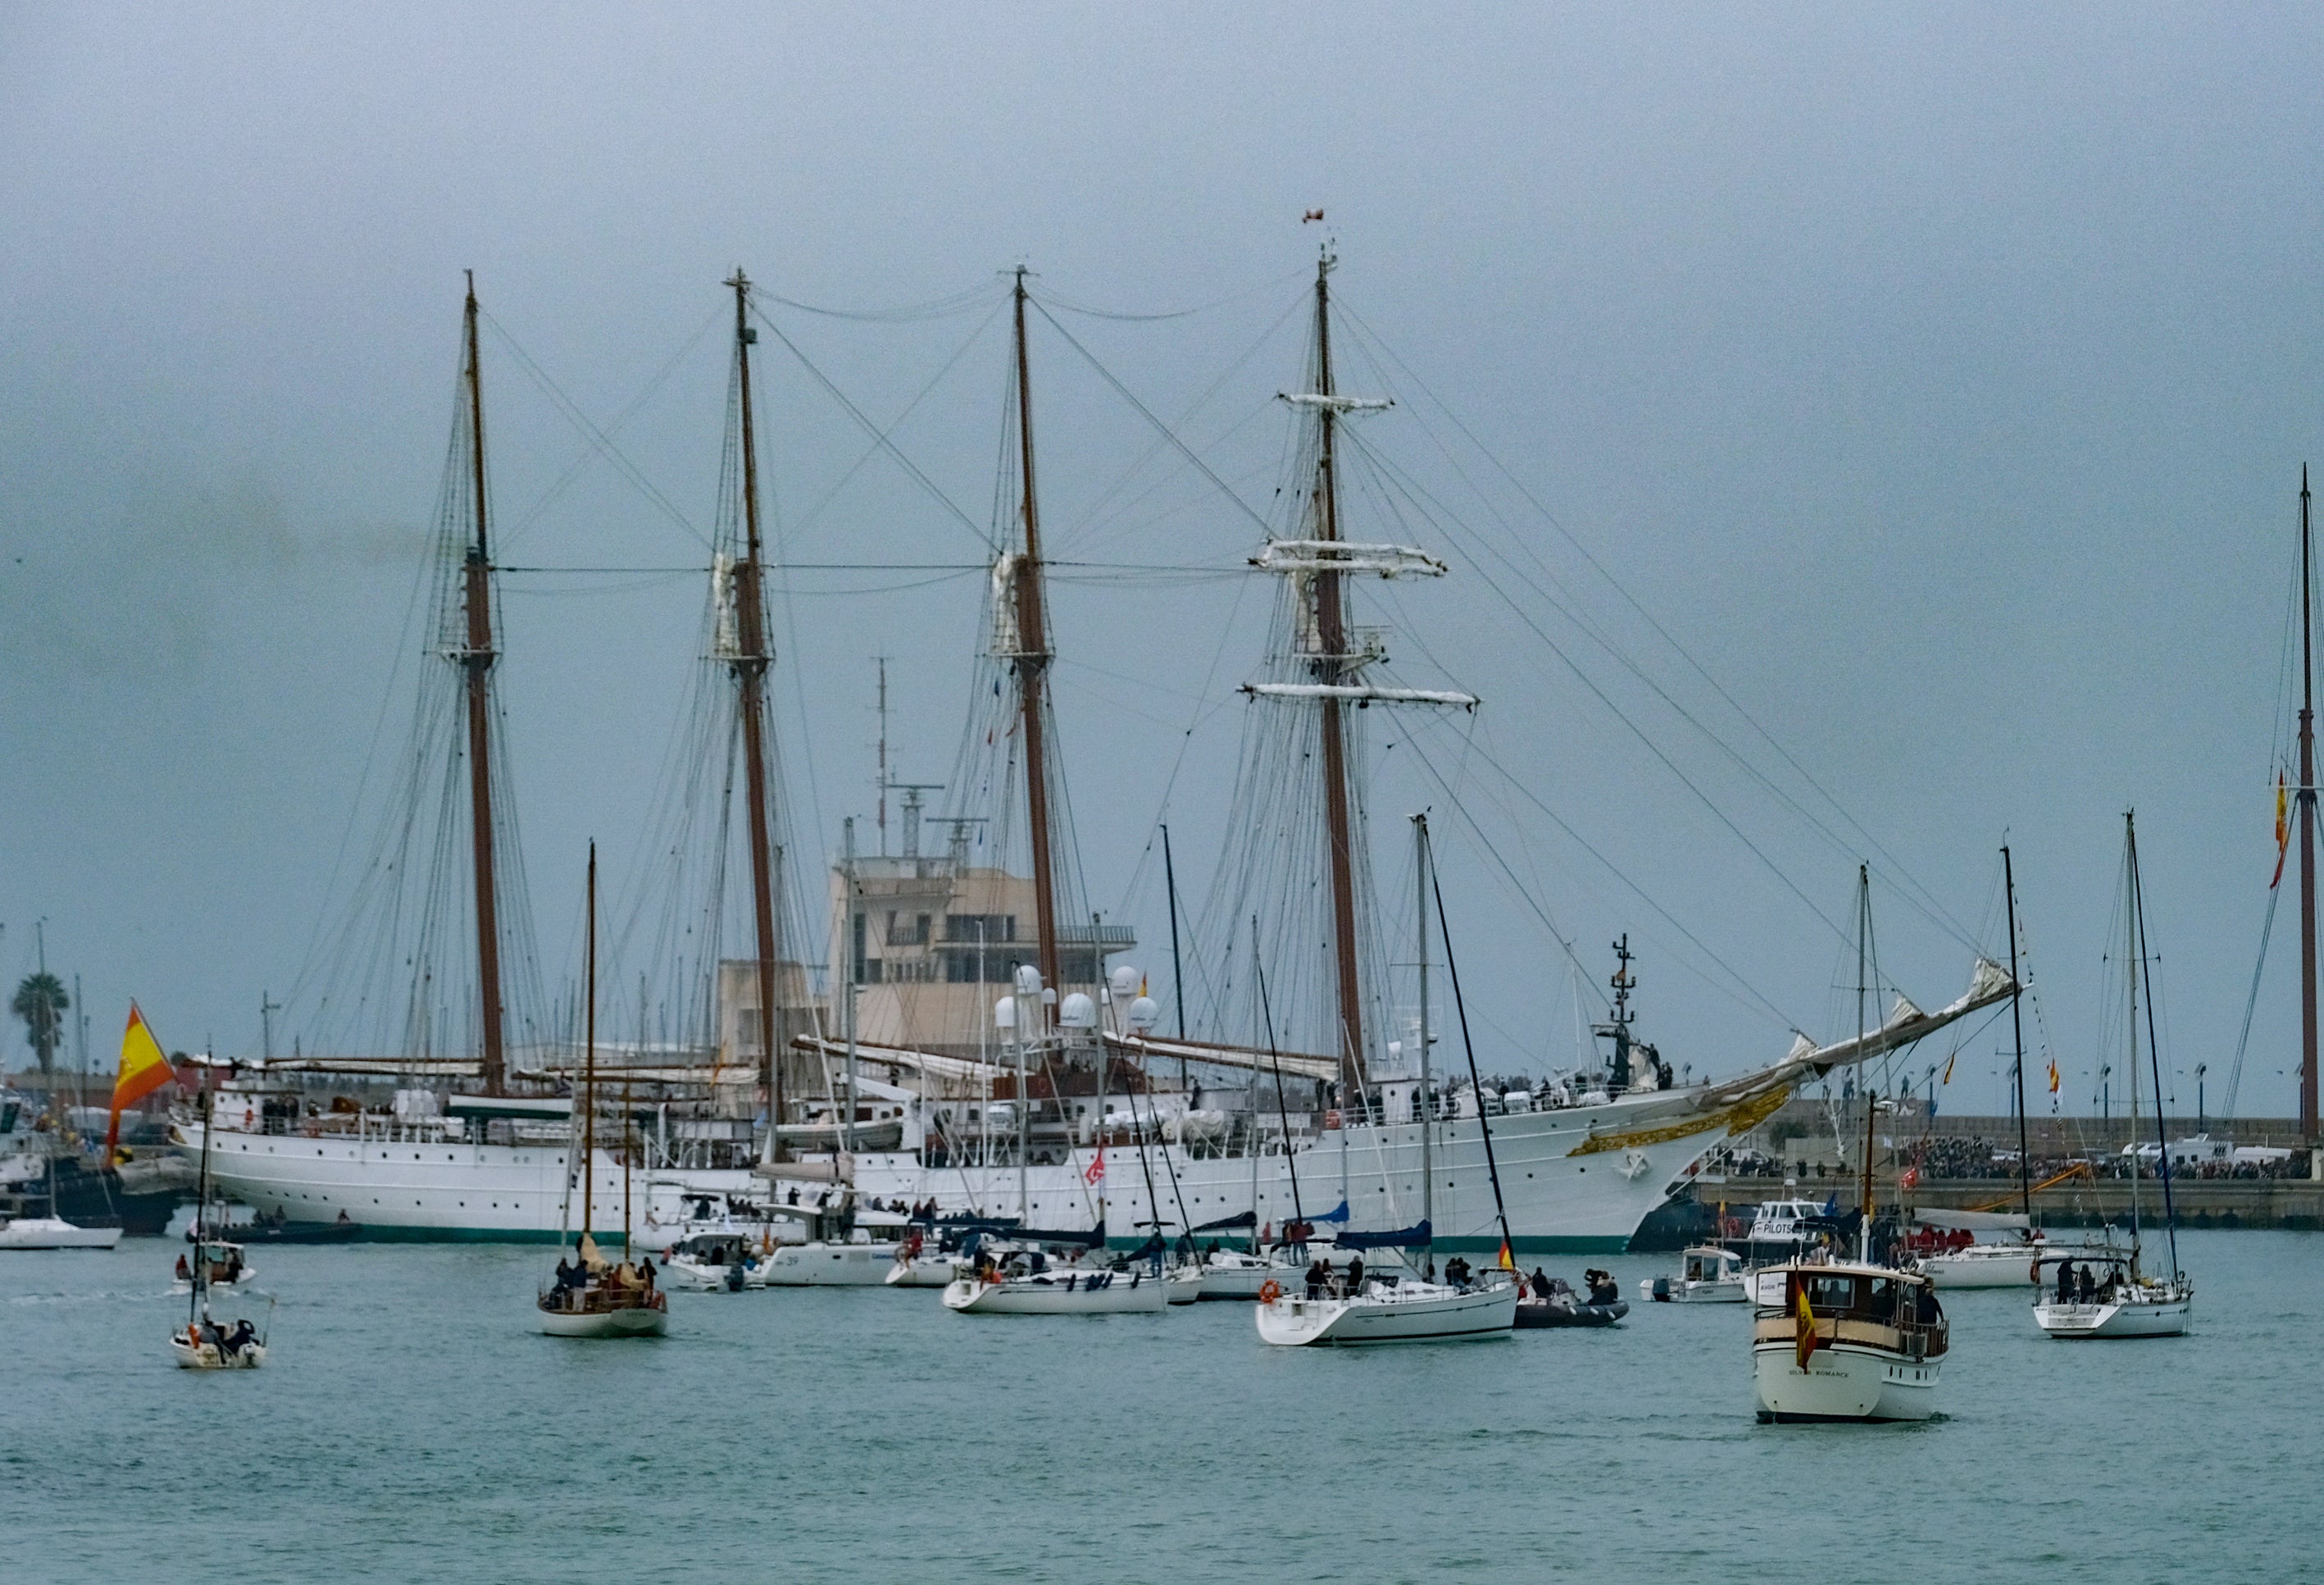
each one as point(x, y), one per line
point(1380, 345)
point(880, 437)
point(934, 308)
point(799, 528)
point(573, 471)
point(1147, 413)
point(581, 420)
point(1396, 476)
point(1525, 793)
point(1046, 296)
point(2251, 1004)
point(1635, 730)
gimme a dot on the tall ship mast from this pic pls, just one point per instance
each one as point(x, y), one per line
point(477, 662)
point(750, 657)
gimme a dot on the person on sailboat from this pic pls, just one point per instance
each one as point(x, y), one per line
point(240, 1338)
point(1317, 1275)
point(646, 1272)
point(1355, 1276)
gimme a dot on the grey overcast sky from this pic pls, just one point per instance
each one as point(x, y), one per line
point(1939, 375)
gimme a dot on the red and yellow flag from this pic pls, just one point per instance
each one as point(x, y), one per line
point(1508, 1262)
point(143, 1071)
point(2282, 828)
point(1805, 1342)
point(2054, 1076)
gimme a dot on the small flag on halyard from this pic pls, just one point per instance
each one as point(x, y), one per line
point(1948, 1078)
point(143, 1071)
point(1097, 1168)
point(2053, 1075)
point(2282, 828)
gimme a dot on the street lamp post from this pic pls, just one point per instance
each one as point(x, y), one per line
point(2201, 1069)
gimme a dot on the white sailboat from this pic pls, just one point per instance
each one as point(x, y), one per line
point(2119, 1298)
point(205, 1343)
point(596, 1298)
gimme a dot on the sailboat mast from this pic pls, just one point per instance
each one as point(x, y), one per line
point(2307, 1129)
point(1032, 658)
point(2154, 1056)
point(477, 660)
point(1420, 1091)
point(1863, 929)
point(2017, 1023)
point(750, 674)
point(1332, 642)
point(2131, 967)
point(589, 1061)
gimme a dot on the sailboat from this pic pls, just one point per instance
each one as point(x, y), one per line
point(591, 1297)
point(2118, 1298)
point(1413, 1309)
point(205, 1344)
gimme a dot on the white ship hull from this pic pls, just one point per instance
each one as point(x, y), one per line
point(1408, 1313)
point(442, 1190)
point(1844, 1381)
point(1579, 1180)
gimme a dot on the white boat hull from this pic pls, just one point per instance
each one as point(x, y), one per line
point(1409, 1313)
point(209, 1357)
point(826, 1266)
point(639, 1322)
point(48, 1232)
point(1843, 1381)
point(2159, 1318)
point(1063, 1293)
point(699, 1276)
point(1679, 1291)
point(1183, 1284)
point(922, 1271)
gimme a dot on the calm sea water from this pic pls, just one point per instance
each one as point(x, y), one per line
point(411, 1425)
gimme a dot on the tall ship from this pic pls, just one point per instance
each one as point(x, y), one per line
point(983, 1047)
point(1021, 1064)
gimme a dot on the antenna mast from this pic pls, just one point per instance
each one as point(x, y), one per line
point(1032, 658)
point(477, 660)
point(749, 675)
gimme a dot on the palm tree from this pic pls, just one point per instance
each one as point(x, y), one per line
point(41, 1002)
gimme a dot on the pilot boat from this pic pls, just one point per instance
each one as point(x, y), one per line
point(1707, 1275)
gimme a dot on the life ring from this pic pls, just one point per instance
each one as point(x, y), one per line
point(1269, 1291)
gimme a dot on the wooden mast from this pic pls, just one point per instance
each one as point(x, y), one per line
point(1331, 661)
point(477, 659)
point(2306, 827)
point(1032, 661)
point(750, 674)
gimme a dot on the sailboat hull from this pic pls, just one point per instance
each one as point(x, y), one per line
point(208, 1356)
point(1069, 1293)
point(826, 1266)
point(48, 1232)
point(1408, 1313)
point(2160, 1318)
point(639, 1323)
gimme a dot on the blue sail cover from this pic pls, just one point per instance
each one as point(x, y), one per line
point(1400, 1238)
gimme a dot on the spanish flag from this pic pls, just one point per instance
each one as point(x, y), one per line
point(143, 1071)
point(1948, 1078)
point(2053, 1075)
point(1805, 1342)
point(2283, 828)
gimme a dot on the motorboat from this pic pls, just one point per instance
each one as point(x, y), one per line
point(715, 1260)
point(2122, 1304)
point(1238, 1273)
point(1706, 1276)
point(51, 1232)
point(1561, 1306)
point(227, 1268)
point(1384, 1313)
point(1848, 1340)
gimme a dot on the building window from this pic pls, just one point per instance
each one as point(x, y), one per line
point(991, 928)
